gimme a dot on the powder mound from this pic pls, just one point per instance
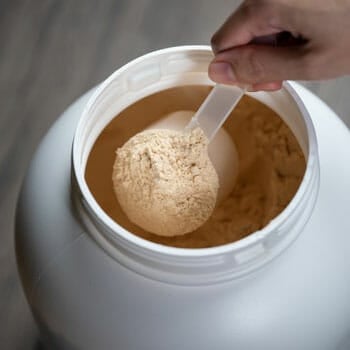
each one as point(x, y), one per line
point(165, 181)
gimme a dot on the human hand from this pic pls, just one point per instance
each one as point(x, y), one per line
point(267, 41)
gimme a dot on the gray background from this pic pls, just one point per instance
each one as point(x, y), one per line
point(51, 51)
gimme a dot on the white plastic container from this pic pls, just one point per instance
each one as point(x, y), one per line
point(93, 285)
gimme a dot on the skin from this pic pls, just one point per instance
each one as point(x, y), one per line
point(267, 41)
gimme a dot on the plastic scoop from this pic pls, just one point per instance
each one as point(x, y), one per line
point(215, 109)
point(210, 116)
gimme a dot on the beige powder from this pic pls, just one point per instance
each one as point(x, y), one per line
point(165, 181)
point(271, 166)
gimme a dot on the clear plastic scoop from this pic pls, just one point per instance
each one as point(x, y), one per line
point(210, 116)
point(216, 108)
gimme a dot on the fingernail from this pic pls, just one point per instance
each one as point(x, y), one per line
point(222, 72)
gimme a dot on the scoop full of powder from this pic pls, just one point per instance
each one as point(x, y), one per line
point(165, 181)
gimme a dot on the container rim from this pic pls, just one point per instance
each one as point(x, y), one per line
point(155, 248)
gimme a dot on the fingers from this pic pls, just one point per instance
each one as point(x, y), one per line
point(226, 76)
point(256, 65)
point(256, 46)
point(252, 19)
point(272, 86)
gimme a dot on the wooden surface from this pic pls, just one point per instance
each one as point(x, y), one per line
point(51, 51)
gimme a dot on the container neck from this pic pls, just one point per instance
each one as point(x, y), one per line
point(175, 265)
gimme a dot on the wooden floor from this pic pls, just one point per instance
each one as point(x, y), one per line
point(51, 51)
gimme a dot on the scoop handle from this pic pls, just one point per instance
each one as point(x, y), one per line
point(216, 108)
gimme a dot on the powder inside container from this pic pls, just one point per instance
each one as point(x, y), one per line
point(271, 166)
point(165, 181)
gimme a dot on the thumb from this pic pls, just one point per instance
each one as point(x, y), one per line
point(257, 64)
